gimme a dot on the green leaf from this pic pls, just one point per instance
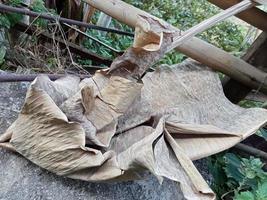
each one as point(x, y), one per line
point(261, 192)
point(232, 168)
point(244, 196)
point(38, 6)
point(262, 132)
point(2, 54)
point(14, 18)
point(4, 22)
point(15, 2)
point(252, 168)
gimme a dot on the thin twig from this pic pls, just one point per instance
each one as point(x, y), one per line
point(94, 39)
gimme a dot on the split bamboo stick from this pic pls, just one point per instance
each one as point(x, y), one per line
point(253, 16)
point(204, 25)
point(194, 48)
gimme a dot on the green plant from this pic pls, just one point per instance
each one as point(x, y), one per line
point(2, 54)
point(262, 133)
point(185, 14)
point(250, 104)
point(118, 42)
point(180, 13)
point(39, 7)
point(238, 177)
point(9, 19)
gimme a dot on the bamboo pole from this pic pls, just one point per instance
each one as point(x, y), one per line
point(204, 25)
point(253, 16)
point(194, 48)
point(255, 55)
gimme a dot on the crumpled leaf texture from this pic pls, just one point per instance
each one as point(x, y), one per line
point(110, 128)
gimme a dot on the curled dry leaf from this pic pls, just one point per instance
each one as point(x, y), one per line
point(198, 115)
point(152, 39)
point(145, 38)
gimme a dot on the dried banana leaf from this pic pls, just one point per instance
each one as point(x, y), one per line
point(112, 128)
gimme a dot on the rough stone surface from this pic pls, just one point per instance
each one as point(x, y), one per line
point(20, 179)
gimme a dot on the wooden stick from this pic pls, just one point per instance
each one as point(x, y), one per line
point(255, 55)
point(94, 39)
point(253, 16)
point(194, 48)
point(251, 150)
point(89, 14)
point(243, 5)
point(87, 17)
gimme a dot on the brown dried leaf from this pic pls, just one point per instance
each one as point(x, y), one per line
point(43, 134)
point(198, 116)
point(152, 39)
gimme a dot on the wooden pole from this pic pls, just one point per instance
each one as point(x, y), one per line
point(204, 25)
point(253, 16)
point(255, 55)
point(251, 150)
point(104, 21)
point(194, 48)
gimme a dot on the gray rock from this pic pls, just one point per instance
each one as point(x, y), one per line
point(20, 179)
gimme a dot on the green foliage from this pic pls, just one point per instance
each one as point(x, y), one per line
point(183, 14)
point(262, 133)
point(239, 178)
point(244, 196)
point(4, 22)
point(172, 58)
point(2, 54)
point(118, 42)
point(250, 104)
point(15, 2)
point(39, 7)
point(261, 192)
point(9, 19)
